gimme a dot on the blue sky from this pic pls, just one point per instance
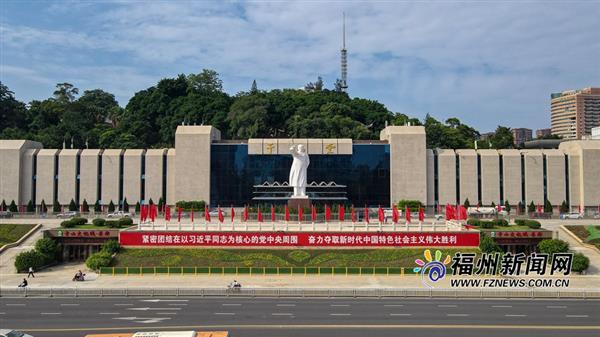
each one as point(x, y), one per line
point(485, 62)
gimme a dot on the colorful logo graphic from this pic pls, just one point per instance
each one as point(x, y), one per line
point(434, 268)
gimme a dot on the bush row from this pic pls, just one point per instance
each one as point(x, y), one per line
point(487, 223)
point(122, 222)
point(73, 222)
point(104, 257)
point(533, 224)
point(44, 254)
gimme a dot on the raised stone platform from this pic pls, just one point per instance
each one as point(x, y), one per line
point(294, 203)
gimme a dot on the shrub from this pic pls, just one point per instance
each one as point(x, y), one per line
point(67, 224)
point(487, 224)
point(298, 255)
point(79, 221)
point(28, 259)
point(531, 207)
point(501, 222)
point(30, 207)
point(125, 205)
point(47, 247)
point(137, 207)
point(43, 207)
point(112, 223)
point(111, 206)
point(98, 260)
point(85, 207)
point(552, 246)
point(98, 222)
point(520, 222)
point(3, 205)
point(97, 207)
point(56, 207)
point(111, 247)
point(412, 204)
point(507, 206)
point(533, 224)
point(473, 222)
point(125, 222)
point(189, 205)
point(13, 207)
point(580, 262)
point(564, 208)
point(488, 245)
point(72, 206)
point(467, 204)
point(548, 206)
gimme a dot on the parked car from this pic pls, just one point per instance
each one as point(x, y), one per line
point(12, 333)
point(573, 215)
point(66, 215)
point(6, 214)
point(118, 214)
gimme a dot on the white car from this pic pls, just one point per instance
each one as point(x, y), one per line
point(66, 215)
point(12, 333)
point(118, 214)
point(573, 215)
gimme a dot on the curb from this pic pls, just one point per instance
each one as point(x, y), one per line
point(23, 238)
point(576, 238)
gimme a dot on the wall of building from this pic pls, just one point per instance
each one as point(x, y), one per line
point(490, 176)
point(88, 177)
point(446, 177)
point(111, 169)
point(45, 177)
point(534, 176)
point(14, 178)
point(132, 175)
point(511, 169)
point(67, 176)
point(154, 174)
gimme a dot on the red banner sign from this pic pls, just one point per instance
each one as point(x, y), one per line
point(298, 239)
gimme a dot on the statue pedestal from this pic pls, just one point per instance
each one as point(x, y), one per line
point(295, 202)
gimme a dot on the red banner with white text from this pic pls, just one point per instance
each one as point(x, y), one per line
point(298, 239)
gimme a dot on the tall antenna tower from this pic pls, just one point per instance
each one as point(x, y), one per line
point(344, 56)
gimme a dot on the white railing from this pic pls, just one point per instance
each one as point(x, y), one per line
point(289, 292)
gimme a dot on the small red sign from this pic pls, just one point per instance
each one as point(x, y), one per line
point(299, 239)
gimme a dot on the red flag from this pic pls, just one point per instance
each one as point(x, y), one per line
point(232, 214)
point(366, 214)
point(342, 213)
point(395, 214)
point(421, 214)
point(300, 214)
point(463, 213)
point(539, 209)
point(287, 213)
point(407, 214)
point(260, 216)
point(206, 213)
point(381, 214)
point(152, 212)
point(327, 213)
point(168, 214)
point(221, 217)
point(179, 214)
point(192, 215)
point(447, 212)
point(313, 213)
point(245, 215)
point(272, 213)
point(499, 208)
point(353, 214)
point(142, 213)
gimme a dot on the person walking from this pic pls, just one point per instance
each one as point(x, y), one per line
point(30, 272)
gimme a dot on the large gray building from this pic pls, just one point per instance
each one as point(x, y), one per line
point(227, 172)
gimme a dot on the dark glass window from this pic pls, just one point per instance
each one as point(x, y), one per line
point(366, 173)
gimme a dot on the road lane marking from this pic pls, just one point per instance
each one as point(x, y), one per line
point(515, 315)
point(2, 313)
point(109, 313)
point(51, 313)
point(447, 306)
point(123, 304)
point(285, 305)
point(225, 313)
point(159, 300)
point(339, 305)
point(400, 314)
point(231, 304)
point(166, 313)
point(15, 304)
point(501, 306)
point(340, 314)
point(281, 314)
point(393, 305)
point(69, 304)
point(178, 304)
point(556, 306)
point(457, 315)
point(578, 316)
point(155, 309)
point(329, 326)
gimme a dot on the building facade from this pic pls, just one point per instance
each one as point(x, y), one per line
point(202, 166)
point(540, 133)
point(521, 135)
point(575, 112)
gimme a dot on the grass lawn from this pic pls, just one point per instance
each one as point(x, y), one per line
point(12, 233)
point(589, 234)
point(198, 257)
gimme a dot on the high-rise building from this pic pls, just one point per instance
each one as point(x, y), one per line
point(521, 135)
point(540, 133)
point(575, 112)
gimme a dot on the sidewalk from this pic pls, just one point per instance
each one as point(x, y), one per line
point(7, 258)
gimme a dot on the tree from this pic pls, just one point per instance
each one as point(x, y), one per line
point(27, 259)
point(521, 207)
point(13, 114)
point(548, 206)
point(85, 207)
point(502, 138)
point(150, 202)
point(13, 207)
point(125, 205)
point(205, 81)
point(137, 207)
point(254, 88)
point(507, 206)
point(338, 86)
point(580, 262)
point(531, 207)
point(56, 207)
point(72, 206)
point(97, 206)
point(553, 246)
point(489, 245)
point(316, 86)
point(3, 205)
point(467, 204)
point(48, 248)
point(111, 206)
point(564, 208)
point(30, 207)
point(43, 207)
point(65, 92)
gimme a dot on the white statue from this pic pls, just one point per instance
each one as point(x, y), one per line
point(298, 170)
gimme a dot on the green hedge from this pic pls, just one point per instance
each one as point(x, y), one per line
point(196, 205)
point(533, 224)
point(487, 223)
point(248, 270)
point(98, 260)
point(30, 258)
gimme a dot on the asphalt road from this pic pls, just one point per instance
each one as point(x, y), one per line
point(265, 317)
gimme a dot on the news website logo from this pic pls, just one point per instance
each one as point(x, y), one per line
point(432, 269)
